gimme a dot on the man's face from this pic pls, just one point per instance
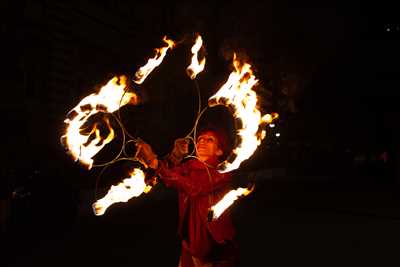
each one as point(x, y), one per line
point(207, 146)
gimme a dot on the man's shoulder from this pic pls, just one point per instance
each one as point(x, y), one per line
point(190, 163)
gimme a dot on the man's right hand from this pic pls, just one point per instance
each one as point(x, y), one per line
point(181, 147)
point(145, 155)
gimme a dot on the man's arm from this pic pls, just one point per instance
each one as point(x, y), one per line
point(147, 157)
point(178, 177)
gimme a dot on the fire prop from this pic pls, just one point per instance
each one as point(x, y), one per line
point(195, 67)
point(227, 201)
point(134, 186)
point(110, 98)
point(83, 147)
point(154, 62)
point(238, 96)
point(128, 188)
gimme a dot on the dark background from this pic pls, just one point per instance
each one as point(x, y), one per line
point(324, 195)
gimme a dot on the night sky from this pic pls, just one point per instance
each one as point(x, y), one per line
point(329, 68)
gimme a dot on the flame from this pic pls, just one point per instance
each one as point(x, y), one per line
point(110, 98)
point(195, 67)
point(269, 118)
point(128, 188)
point(228, 200)
point(237, 94)
point(152, 63)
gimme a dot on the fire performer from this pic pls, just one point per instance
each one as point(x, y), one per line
point(200, 186)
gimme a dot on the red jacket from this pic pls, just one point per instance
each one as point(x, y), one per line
point(199, 188)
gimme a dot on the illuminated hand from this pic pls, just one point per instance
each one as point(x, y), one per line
point(145, 155)
point(181, 148)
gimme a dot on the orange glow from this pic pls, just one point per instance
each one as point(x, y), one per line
point(228, 200)
point(154, 62)
point(127, 189)
point(237, 93)
point(195, 67)
point(109, 99)
point(269, 118)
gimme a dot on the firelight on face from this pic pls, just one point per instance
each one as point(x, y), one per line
point(207, 146)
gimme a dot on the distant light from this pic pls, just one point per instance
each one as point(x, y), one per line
point(388, 29)
point(277, 134)
point(272, 125)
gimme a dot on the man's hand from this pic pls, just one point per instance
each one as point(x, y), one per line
point(145, 155)
point(181, 147)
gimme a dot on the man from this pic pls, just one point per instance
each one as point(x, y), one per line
point(199, 185)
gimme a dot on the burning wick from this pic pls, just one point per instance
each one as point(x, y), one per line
point(216, 210)
point(110, 98)
point(154, 62)
point(127, 189)
point(238, 95)
point(195, 67)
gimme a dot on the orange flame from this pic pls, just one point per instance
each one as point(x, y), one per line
point(128, 188)
point(268, 118)
point(152, 63)
point(228, 200)
point(110, 98)
point(237, 93)
point(195, 67)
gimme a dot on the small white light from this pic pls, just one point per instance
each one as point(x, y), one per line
point(277, 134)
point(272, 125)
point(388, 29)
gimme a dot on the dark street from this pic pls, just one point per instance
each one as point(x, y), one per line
point(286, 221)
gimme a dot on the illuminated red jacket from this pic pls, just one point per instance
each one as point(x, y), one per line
point(199, 189)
